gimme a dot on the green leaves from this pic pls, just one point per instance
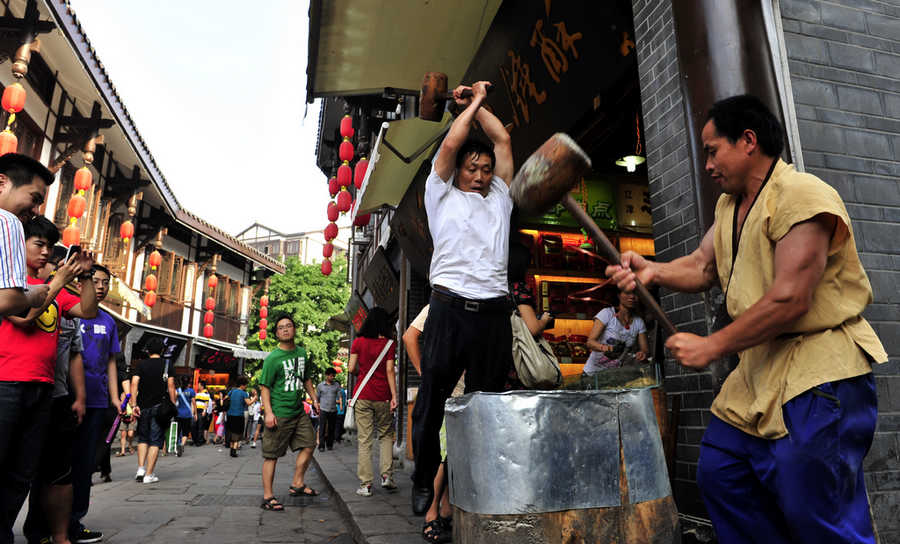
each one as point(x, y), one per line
point(310, 298)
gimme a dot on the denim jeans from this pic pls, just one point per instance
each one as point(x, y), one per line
point(84, 459)
point(24, 416)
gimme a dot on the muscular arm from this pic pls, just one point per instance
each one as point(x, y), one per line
point(495, 130)
point(689, 274)
point(445, 162)
point(13, 301)
point(56, 285)
point(87, 308)
point(800, 259)
point(411, 341)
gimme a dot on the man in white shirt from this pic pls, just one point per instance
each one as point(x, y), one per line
point(23, 187)
point(468, 205)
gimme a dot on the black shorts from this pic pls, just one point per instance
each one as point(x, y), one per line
point(55, 467)
point(185, 424)
point(235, 427)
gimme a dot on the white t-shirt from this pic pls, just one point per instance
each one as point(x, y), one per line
point(613, 332)
point(471, 237)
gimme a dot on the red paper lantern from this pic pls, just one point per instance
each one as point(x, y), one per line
point(155, 259)
point(359, 172)
point(83, 179)
point(344, 175)
point(338, 371)
point(209, 317)
point(338, 363)
point(345, 151)
point(326, 267)
point(361, 220)
point(347, 127)
point(8, 142)
point(126, 231)
point(344, 201)
point(212, 281)
point(71, 236)
point(208, 331)
point(331, 232)
point(327, 250)
point(263, 324)
point(333, 186)
point(76, 206)
point(264, 300)
point(151, 283)
point(264, 311)
point(210, 303)
point(13, 98)
point(262, 335)
point(333, 212)
point(150, 298)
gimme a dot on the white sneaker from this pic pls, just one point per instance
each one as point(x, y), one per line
point(365, 490)
point(150, 479)
point(387, 482)
point(139, 475)
point(253, 445)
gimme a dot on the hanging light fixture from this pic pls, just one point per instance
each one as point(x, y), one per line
point(630, 162)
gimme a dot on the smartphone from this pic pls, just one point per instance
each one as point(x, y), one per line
point(73, 250)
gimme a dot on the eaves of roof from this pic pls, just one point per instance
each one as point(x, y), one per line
point(193, 222)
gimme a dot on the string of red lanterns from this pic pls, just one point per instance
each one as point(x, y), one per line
point(151, 283)
point(210, 316)
point(264, 313)
point(13, 99)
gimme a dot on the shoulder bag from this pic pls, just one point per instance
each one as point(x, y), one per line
point(167, 409)
point(349, 419)
point(535, 362)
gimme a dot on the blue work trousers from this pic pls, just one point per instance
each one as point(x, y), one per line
point(805, 487)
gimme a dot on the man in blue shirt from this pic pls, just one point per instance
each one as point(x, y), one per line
point(101, 344)
point(187, 412)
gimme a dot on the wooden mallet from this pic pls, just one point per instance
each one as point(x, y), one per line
point(434, 96)
point(547, 177)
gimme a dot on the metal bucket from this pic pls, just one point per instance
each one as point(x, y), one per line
point(533, 464)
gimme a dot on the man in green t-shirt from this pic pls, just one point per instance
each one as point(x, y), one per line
point(286, 372)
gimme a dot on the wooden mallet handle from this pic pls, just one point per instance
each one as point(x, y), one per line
point(612, 254)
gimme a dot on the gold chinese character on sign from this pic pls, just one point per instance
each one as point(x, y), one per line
point(554, 51)
point(522, 90)
point(627, 45)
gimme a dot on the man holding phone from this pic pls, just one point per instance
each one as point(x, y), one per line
point(23, 187)
point(28, 347)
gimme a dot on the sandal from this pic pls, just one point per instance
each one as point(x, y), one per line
point(447, 522)
point(272, 505)
point(302, 491)
point(434, 531)
point(121, 454)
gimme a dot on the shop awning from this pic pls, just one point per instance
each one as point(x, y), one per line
point(218, 345)
point(363, 46)
point(389, 175)
point(119, 292)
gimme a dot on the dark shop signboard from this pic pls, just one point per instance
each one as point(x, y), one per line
point(172, 351)
point(551, 62)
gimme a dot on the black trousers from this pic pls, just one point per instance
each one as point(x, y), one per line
point(327, 428)
point(455, 340)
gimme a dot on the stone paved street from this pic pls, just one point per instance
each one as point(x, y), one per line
point(208, 497)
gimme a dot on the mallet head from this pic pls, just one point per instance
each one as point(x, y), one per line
point(548, 174)
point(433, 97)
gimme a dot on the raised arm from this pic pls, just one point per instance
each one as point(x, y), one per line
point(413, 351)
point(689, 274)
point(495, 130)
point(445, 162)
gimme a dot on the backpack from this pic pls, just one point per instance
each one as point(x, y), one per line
point(534, 360)
point(226, 401)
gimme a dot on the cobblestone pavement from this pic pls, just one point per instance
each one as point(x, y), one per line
point(208, 497)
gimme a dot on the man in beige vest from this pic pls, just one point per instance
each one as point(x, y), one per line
point(781, 460)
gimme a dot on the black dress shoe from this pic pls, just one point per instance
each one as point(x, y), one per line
point(421, 500)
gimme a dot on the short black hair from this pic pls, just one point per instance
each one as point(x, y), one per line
point(477, 147)
point(100, 268)
point(21, 169)
point(733, 115)
point(241, 380)
point(330, 372)
point(283, 315)
point(41, 227)
point(519, 259)
point(377, 323)
point(155, 346)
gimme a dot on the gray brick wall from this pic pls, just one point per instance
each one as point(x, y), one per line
point(675, 226)
point(844, 59)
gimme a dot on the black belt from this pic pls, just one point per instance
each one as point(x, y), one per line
point(485, 306)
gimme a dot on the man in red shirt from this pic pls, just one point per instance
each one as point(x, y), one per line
point(27, 366)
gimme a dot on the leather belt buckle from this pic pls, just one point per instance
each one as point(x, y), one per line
point(472, 306)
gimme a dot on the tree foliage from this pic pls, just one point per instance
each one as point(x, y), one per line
point(311, 299)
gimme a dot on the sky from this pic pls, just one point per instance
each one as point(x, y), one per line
point(217, 88)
